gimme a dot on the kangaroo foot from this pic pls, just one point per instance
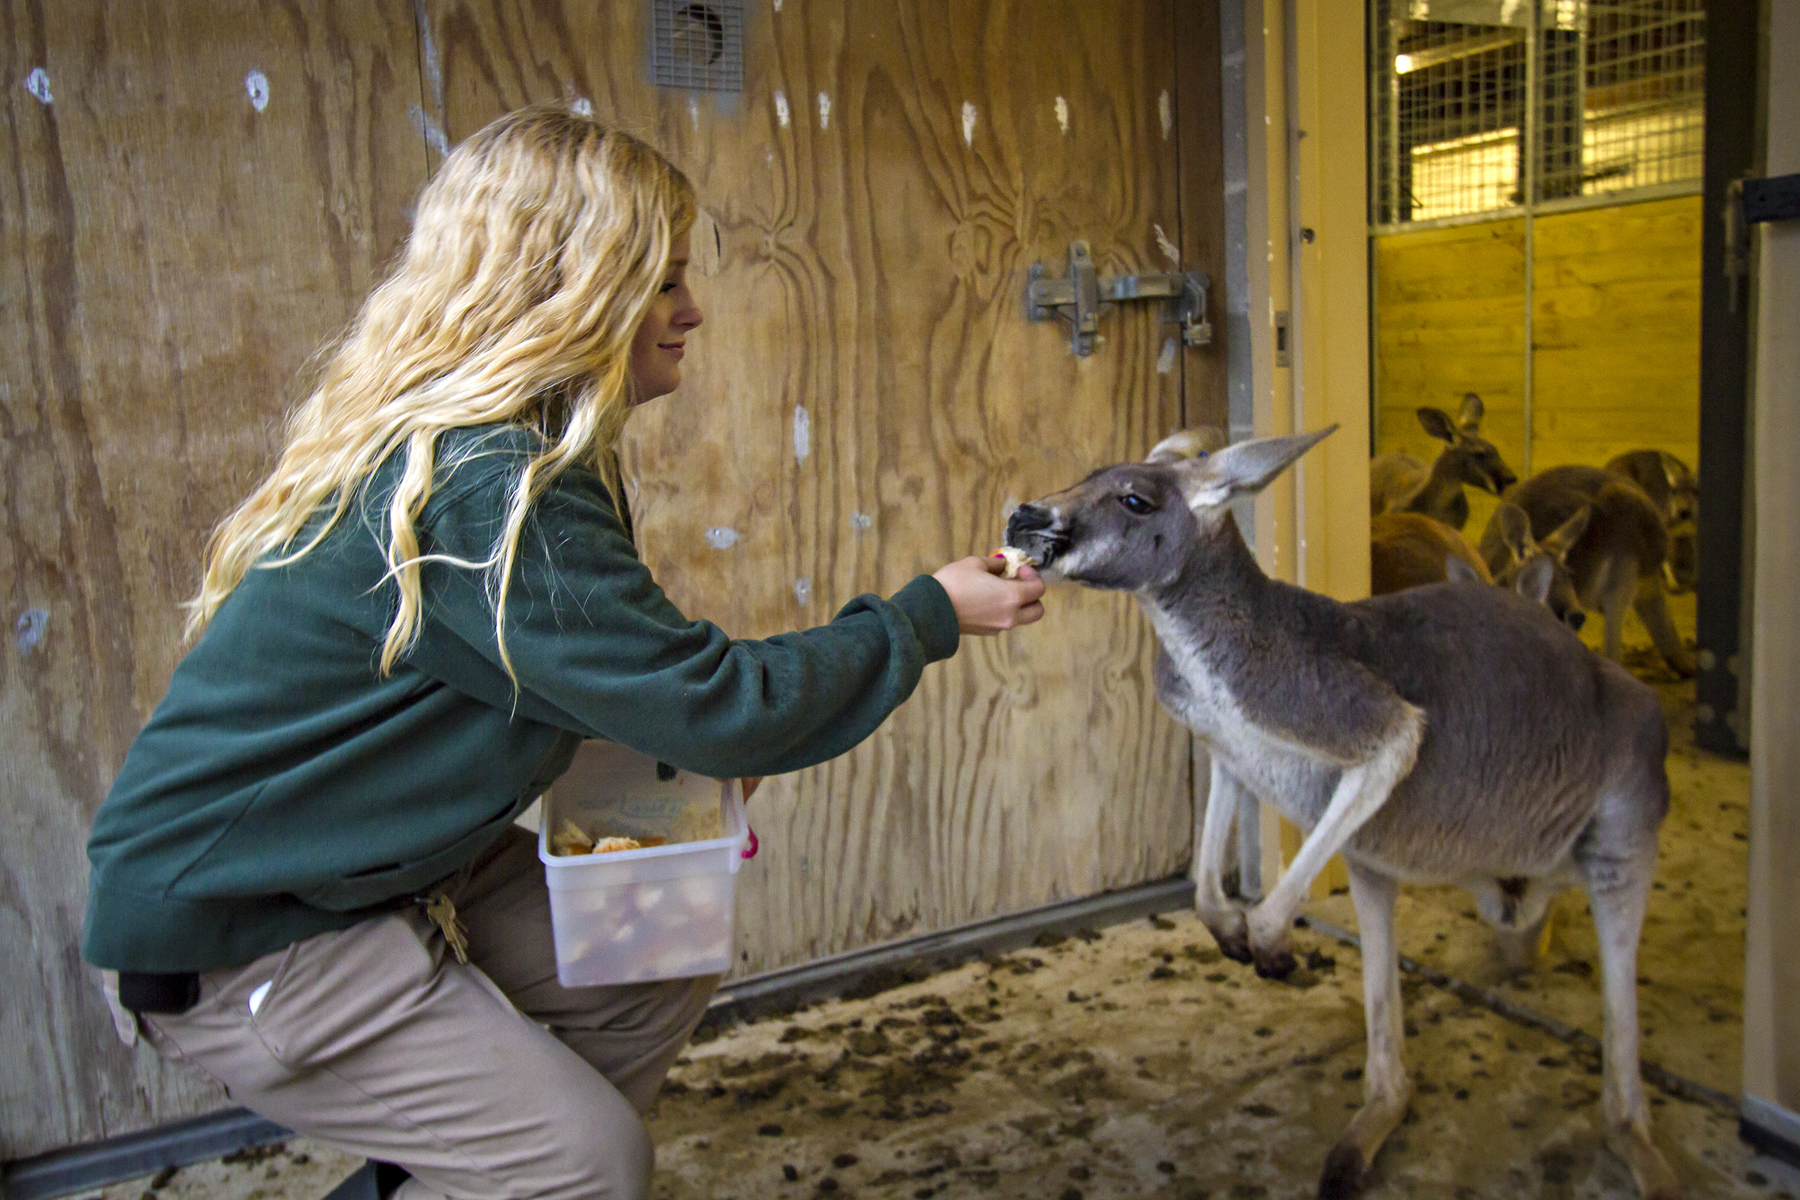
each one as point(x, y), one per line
point(1271, 943)
point(1649, 1170)
point(1342, 1178)
point(1225, 921)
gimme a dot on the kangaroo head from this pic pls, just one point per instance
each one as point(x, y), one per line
point(1539, 570)
point(1468, 457)
point(1133, 525)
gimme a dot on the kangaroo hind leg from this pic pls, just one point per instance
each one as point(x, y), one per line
point(1386, 1085)
point(1619, 890)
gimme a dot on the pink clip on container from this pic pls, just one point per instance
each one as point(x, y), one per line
point(662, 912)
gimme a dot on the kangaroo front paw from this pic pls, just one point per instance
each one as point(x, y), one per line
point(1229, 931)
point(1342, 1178)
point(1270, 944)
point(1278, 963)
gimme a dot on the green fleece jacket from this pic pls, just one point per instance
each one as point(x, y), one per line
point(284, 788)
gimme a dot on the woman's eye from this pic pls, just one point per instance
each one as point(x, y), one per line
point(669, 286)
point(1136, 505)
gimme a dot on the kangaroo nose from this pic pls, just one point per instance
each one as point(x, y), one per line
point(1027, 518)
point(1576, 620)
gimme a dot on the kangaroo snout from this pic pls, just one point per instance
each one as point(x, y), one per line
point(1033, 530)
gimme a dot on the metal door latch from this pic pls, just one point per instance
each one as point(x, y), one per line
point(1084, 296)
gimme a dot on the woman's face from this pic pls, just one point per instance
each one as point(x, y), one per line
point(661, 341)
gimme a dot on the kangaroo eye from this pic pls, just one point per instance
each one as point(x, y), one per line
point(1136, 505)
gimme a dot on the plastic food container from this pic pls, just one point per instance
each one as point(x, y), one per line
point(662, 912)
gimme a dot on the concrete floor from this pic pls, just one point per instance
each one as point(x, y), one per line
point(1135, 1062)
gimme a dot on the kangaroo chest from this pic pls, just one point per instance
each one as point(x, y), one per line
point(1275, 770)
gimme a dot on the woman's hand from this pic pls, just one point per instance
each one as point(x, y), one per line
point(985, 602)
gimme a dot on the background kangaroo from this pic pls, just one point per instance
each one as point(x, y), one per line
point(1617, 562)
point(1401, 483)
point(1443, 734)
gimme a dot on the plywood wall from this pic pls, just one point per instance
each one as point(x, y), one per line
point(171, 256)
point(864, 403)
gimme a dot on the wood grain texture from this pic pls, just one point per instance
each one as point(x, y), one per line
point(171, 257)
point(871, 272)
point(1449, 316)
point(1616, 332)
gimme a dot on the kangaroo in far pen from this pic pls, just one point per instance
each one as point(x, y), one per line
point(1451, 733)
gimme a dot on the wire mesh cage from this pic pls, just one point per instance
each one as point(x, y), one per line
point(697, 44)
point(1484, 105)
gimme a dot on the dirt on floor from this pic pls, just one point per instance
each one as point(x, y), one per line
point(1135, 1061)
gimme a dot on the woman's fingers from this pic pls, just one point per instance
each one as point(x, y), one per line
point(985, 602)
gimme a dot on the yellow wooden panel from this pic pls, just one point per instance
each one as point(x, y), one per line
point(1616, 332)
point(1449, 318)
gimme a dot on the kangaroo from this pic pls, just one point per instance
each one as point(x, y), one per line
point(1672, 487)
point(1408, 550)
point(1617, 561)
point(1401, 483)
point(1443, 734)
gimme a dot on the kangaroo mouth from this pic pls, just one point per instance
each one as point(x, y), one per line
point(1032, 532)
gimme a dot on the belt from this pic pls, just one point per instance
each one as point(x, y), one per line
point(157, 992)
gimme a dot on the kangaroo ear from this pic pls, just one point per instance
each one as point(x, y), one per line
point(1469, 418)
point(1515, 529)
point(1197, 442)
point(1568, 533)
point(1243, 469)
point(1438, 424)
point(1535, 579)
point(1458, 571)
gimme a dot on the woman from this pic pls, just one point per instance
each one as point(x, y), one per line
point(306, 880)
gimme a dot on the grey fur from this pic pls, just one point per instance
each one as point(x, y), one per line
point(1442, 734)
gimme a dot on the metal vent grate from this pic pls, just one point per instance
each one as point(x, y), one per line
point(697, 44)
point(1483, 105)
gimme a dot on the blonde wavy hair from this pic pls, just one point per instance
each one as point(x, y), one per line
point(535, 255)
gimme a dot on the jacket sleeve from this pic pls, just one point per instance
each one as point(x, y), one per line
point(598, 649)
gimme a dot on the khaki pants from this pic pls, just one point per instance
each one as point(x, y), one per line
point(484, 1080)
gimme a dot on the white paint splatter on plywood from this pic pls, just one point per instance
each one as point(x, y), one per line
point(581, 106)
point(1062, 115)
point(1167, 247)
point(428, 129)
point(1167, 112)
point(28, 630)
point(803, 589)
point(781, 110)
point(721, 537)
point(824, 111)
point(257, 85)
point(802, 433)
point(968, 123)
point(38, 84)
point(862, 522)
point(694, 112)
point(1165, 362)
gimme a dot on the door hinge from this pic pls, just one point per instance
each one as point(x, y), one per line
point(1084, 296)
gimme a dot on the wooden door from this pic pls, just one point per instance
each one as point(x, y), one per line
point(867, 402)
point(200, 195)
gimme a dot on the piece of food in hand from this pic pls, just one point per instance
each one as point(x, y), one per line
point(1015, 559)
